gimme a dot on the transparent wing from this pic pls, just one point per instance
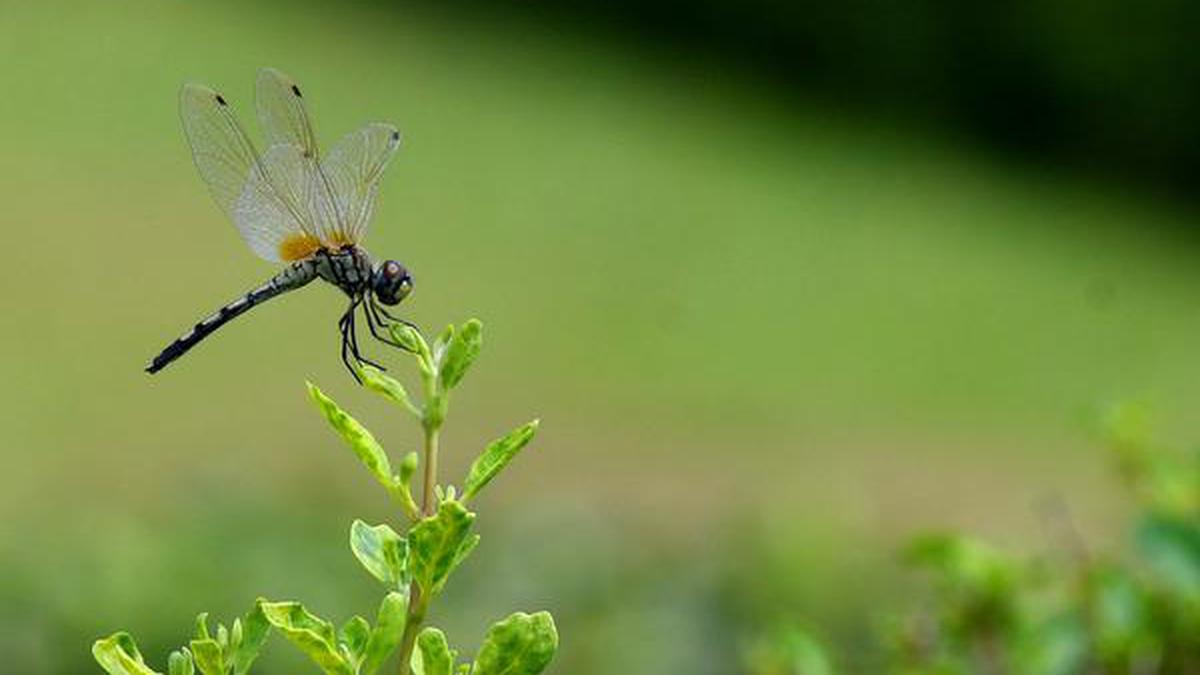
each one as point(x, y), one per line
point(291, 140)
point(237, 177)
point(354, 168)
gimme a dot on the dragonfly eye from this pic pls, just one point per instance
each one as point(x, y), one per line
point(392, 283)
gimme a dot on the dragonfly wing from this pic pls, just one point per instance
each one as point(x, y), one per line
point(236, 175)
point(355, 167)
point(291, 140)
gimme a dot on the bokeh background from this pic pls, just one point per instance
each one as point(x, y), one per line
point(786, 283)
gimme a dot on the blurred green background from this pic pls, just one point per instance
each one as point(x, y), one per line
point(771, 331)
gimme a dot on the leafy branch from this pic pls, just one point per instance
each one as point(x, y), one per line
point(413, 567)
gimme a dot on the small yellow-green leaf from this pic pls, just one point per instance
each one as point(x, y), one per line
point(441, 342)
point(310, 634)
point(522, 644)
point(433, 655)
point(388, 387)
point(353, 638)
point(202, 626)
point(208, 656)
point(495, 457)
point(460, 352)
point(235, 633)
point(389, 628)
point(118, 654)
point(369, 452)
point(438, 543)
point(253, 629)
point(406, 336)
point(381, 551)
point(180, 663)
point(408, 467)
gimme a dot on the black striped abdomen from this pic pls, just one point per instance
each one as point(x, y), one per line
point(291, 278)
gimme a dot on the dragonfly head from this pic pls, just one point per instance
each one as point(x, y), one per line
point(391, 282)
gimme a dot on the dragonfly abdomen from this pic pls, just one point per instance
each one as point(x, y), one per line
point(291, 278)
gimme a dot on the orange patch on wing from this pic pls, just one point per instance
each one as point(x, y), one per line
point(298, 247)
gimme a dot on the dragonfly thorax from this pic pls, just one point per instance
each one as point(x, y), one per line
point(349, 268)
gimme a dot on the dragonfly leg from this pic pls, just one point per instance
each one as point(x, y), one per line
point(374, 322)
point(380, 309)
point(352, 330)
point(342, 327)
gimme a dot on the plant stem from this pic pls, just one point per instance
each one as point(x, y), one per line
point(428, 503)
point(416, 614)
point(417, 603)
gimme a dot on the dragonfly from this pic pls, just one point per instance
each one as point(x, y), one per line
point(292, 205)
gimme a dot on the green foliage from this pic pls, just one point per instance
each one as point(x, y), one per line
point(457, 352)
point(389, 628)
point(228, 652)
point(413, 566)
point(497, 456)
point(118, 655)
point(381, 383)
point(310, 634)
point(381, 551)
point(180, 663)
point(433, 655)
point(355, 648)
point(439, 543)
point(364, 445)
point(522, 644)
point(1076, 611)
point(787, 650)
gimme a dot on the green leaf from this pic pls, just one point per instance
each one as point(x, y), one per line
point(402, 490)
point(381, 383)
point(441, 341)
point(460, 353)
point(438, 543)
point(383, 552)
point(208, 656)
point(433, 655)
point(202, 626)
point(464, 551)
point(408, 468)
point(389, 628)
point(353, 638)
point(962, 562)
point(254, 629)
point(369, 452)
point(1119, 611)
point(310, 634)
point(495, 457)
point(1171, 547)
point(522, 644)
point(180, 663)
point(118, 654)
point(407, 337)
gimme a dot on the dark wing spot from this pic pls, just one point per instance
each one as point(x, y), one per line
point(296, 91)
point(220, 100)
point(395, 135)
